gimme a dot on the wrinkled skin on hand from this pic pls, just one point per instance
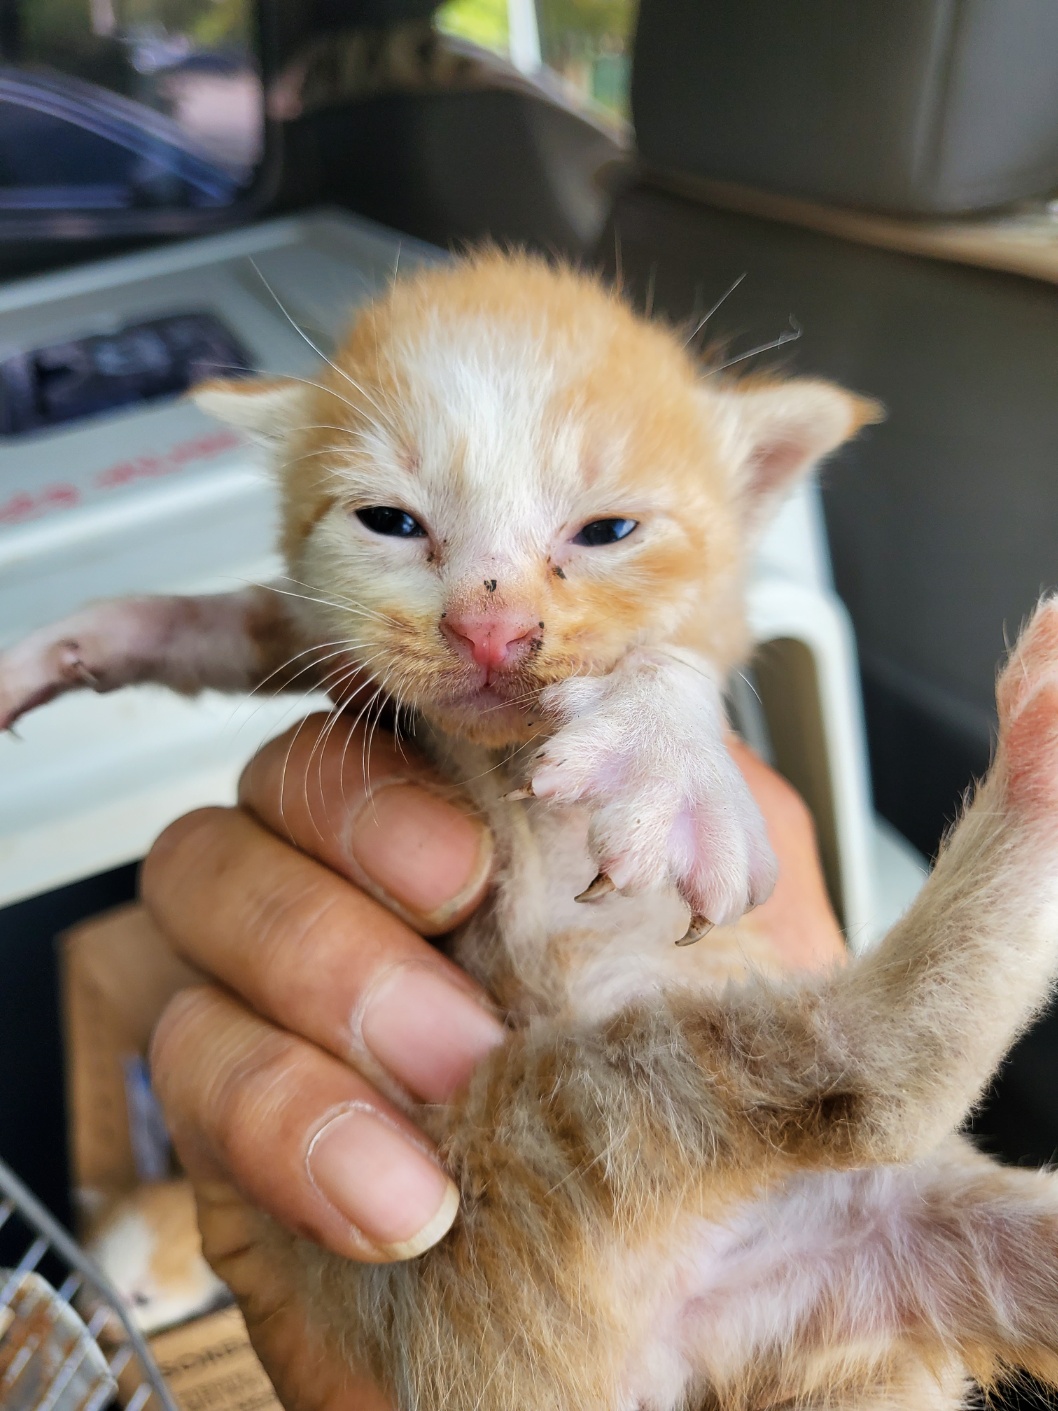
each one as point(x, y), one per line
point(305, 908)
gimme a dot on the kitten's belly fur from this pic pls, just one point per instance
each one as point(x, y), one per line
point(583, 960)
point(715, 1284)
point(735, 1289)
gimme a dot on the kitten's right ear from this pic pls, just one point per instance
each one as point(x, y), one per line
point(267, 409)
point(775, 431)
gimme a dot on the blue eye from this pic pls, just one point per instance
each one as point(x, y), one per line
point(382, 519)
point(604, 531)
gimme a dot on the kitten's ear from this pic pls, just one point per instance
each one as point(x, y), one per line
point(266, 408)
point(773, 433)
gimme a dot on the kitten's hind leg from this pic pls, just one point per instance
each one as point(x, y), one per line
point(880, 1061)
point(936, 1005)
point(227, 642)
point(911, 1385)
point(951, 1263)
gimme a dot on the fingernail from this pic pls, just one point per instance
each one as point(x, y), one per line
point(399, 1200)
point(426, 1031)
point(423, 853)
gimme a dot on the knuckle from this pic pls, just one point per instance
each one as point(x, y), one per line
point(258, 1099)
point(174, 1032)
point(292, 925)
point(264, 769)
point(232, 1086)
point(182, 843)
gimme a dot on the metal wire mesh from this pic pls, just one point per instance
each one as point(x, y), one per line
point(51, 1357)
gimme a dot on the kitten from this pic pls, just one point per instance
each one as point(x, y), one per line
point(148, 1246)
point(519, 514)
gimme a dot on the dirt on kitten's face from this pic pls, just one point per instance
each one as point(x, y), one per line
point(506, 478)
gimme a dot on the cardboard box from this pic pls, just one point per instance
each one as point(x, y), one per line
point(209, 1365)
point(117, 975)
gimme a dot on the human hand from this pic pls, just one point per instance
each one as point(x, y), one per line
point(797, 916)
point(315, 985)
point(262, 1074)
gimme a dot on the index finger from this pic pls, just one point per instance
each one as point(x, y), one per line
point(314, 955)
point(375, 813)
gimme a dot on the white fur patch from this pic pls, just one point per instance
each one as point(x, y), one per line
point(127, 1251)
point(643, 748)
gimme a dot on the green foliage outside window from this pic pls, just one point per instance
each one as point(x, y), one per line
point(48, 25)
point(482, 22)
point(590, 19)
point(585, 41)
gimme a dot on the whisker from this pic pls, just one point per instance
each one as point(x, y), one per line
point(290, 748)
point(340, 643)
point(289, 377)
point(345, 748)
point(346, 603)
point(319, 451)
point(505, 759)
point(319, 749)
point(324, 426)
point(743, 677)
point(338, 680)
point(319, 351)
point(311, 689)
point(365, 769)
point(790, 335)
point(283, 777)
point(371, 732)
point(716, 307)
point(398, 707)
point(323, 602)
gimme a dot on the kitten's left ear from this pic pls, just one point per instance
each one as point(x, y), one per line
point(773, 433)
point(266, 408)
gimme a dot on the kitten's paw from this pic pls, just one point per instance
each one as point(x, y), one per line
point(644, 749)
point(39, 669)
point(1027, 698)
point(98, 649)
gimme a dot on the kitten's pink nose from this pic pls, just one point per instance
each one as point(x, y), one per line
point(498, 639)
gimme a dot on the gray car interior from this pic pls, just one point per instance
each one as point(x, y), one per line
point(942, 521)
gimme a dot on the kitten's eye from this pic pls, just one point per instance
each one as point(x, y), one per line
point(604, 531)
point(383, 519)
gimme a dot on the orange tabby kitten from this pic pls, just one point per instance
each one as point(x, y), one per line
point(520, 514)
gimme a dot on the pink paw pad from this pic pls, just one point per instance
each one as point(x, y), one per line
point(1035, 656)
point(1027, 696)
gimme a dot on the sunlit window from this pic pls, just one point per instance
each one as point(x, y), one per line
point(483, 22)
point(124, 104)
point(586, 44)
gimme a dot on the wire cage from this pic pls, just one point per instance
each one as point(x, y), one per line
point(66, 1342)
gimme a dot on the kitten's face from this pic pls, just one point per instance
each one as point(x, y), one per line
point(506, 479)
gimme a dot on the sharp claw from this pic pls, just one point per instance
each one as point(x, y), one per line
point(88, 677)
point(601, 887)
point(10, 730)
point(700, 926)
point(515, 794)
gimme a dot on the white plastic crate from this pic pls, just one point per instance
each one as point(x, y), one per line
point(51, 1359)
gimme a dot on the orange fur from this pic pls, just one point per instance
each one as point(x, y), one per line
point(642, 387)
point(675, 1193)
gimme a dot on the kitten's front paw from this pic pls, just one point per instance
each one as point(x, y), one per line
point(643, 748)
point(36, 671)
point(98, 649)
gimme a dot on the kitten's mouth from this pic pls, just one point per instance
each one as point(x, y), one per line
point(494, 693)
